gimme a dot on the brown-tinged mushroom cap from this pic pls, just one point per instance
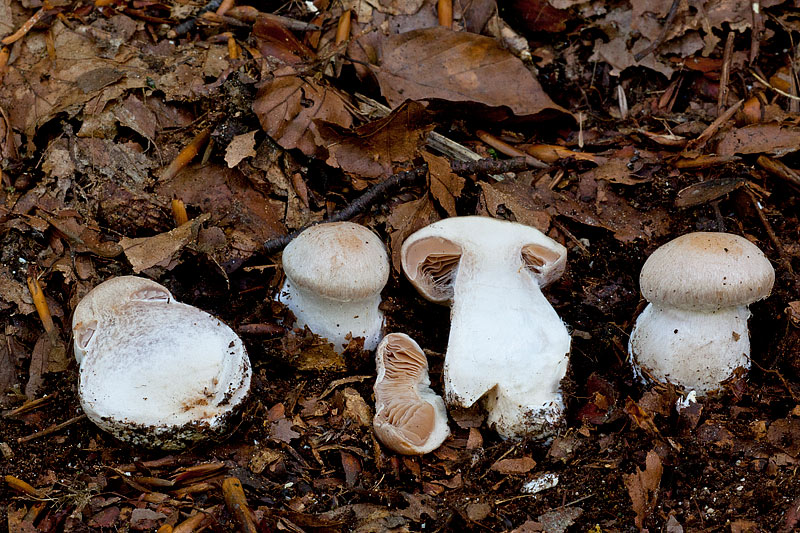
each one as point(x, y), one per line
point(706, 271)
point(338, 260)
point(409, 417)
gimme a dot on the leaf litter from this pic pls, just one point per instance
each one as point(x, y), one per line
point(651, 120)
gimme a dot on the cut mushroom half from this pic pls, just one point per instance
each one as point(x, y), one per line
point(153, 371)
point(410, 418)
point(507, 344)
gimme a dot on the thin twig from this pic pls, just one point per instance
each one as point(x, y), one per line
point(359, 205)
point(755, 30)
point(713, 128)
point(490, 166)
point(664, 30)
point(52, 429)
point(765, 83)
point(188, 25)
point(722, 101)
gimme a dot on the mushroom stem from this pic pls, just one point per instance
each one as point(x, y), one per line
point(359, 318)
point(502, 327)
point(669, 348)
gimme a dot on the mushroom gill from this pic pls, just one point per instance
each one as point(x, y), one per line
point(409, 417)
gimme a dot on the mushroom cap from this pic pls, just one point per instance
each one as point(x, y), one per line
point(107, 296)
point(153, 371)
point(409, 417)
point(337, 260)
point(706, 271)
point(431, 256)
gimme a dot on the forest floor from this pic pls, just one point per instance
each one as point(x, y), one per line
point(613, 127)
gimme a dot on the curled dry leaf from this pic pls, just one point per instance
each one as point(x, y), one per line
point(372, 150)
point(437, 63)
point(289, 106)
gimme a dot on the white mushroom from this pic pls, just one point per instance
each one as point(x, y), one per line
point(694, 330)
point(153, 371)
point(410, 418)
point(506, 341)
point(334, 276)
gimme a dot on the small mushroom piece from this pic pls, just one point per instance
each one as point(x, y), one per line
point(410, 418)
point(334, 276)
point(153, 371)
point(507, 344)
point(694, 330)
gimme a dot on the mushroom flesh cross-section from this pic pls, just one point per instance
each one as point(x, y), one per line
point(507, 344)
point(153, 371)
point(409, 417)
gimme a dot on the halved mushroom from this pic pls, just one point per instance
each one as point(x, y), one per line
point(153, 371)
point(410, 418)
point(507, 344)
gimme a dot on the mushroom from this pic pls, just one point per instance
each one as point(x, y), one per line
point(334, 276)
point(694, 330)
point(507, 343)
point(153, 371)
point(410, 418)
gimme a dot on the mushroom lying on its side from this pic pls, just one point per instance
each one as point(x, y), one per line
point(507, 343)
point(153, 371)
point(334, 276)
point(409, 417)
point(694, 330)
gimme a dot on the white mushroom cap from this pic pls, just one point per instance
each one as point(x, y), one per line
point(342, 261)
point(105, 298)
point(431, 256)
point(410, 418)
point(156, 372)
point(334, 275)
point(706, 271)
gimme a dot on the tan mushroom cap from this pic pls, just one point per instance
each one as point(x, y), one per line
point(409, 417)
point(706, 271)
point(338, 260)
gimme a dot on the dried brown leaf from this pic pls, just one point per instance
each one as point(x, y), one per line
point(772, 138)
point(406, 219)
point(372, 150)
point(521, 465)
point(459, 67)
point(288, 108)
point(643, 487)
point(446, 186)
point(162, 250)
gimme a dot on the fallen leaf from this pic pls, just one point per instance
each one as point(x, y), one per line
point(281, 430)
point(643, 487)
point(512, 200)
point(406, 219)
point(161, 250)
point(240, 147)
point(446, 185)
point(437, 63)
point(772, 138)
point(520, 465)
point(559, 520)
point(289, 107)
point(373, 149)
point(352, 467)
